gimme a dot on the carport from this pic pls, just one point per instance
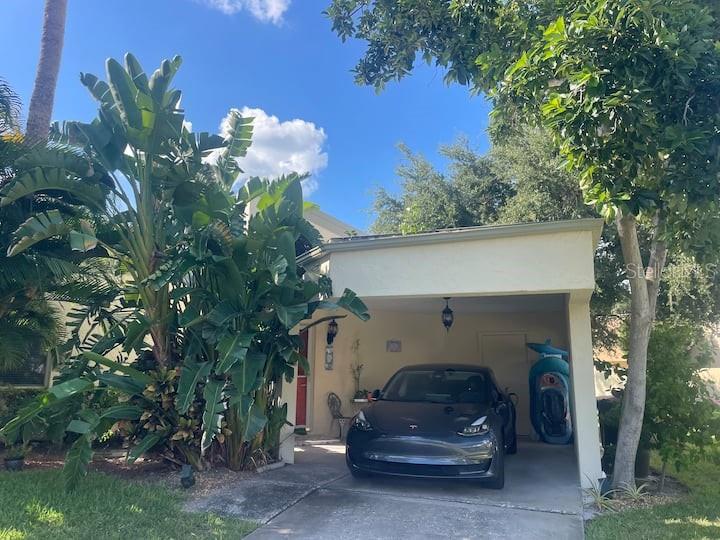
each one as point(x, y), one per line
point(507, 286)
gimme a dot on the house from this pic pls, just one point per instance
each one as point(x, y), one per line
point(507, 286)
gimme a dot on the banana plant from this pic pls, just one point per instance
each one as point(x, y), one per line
point(125, 167)
point(242, 293)
point(214, 287)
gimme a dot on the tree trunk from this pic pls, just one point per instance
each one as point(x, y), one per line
point(644, 286)
point(43, 96)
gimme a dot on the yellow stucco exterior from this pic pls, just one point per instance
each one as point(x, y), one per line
point(515, 284)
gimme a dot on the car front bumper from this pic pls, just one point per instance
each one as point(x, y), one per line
point(425, 457)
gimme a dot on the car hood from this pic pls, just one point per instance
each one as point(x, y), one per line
point(397, 417)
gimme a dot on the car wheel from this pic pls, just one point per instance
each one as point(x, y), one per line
point(498, 480)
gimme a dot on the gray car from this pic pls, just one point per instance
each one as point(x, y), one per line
point(435, 421)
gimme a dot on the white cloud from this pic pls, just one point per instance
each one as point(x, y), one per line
point(283, 147)
point(263, 10)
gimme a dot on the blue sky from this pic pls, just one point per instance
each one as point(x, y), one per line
point(277, 57)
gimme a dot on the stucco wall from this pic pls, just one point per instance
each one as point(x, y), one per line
point(540, 263)
point(423, 340)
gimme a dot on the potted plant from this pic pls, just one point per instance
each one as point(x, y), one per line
point(15, 457)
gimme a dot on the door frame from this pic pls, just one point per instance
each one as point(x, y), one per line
point(302, 380)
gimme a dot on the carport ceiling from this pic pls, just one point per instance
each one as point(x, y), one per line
point(471, 304)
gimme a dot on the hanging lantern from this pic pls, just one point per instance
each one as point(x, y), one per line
point(447, 315)
point(332, 331)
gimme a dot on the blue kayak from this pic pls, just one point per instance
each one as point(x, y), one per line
point(549, 382)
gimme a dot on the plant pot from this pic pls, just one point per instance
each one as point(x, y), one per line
point(14, 464)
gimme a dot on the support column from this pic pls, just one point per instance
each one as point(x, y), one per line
point(287, 433)
point(582, 379)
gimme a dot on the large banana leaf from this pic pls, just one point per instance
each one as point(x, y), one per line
point(247, 375)
point(77, 460)
point(349, 301)
point(146, 444)
point(40, 227)
point(192, 373)
point(133, 373)
point(40, 180)
point(57, 393)
point(253, 423)
point(232, 348)
point(124, 93)
point(238, 133)
point(290, 316)
point(55, 155)
point(212, 415)
point(128, 385)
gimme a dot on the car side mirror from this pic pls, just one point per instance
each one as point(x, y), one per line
point(375, 395)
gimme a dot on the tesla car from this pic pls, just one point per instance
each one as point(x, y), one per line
point(438, 421)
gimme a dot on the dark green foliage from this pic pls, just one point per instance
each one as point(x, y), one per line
point(472, 193)
point(521, 179)
point(12, 400)
point(10, 108)
point(681, 422)
point(213, 287)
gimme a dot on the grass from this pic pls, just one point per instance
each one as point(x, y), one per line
point(34, 505)
point(695, 516)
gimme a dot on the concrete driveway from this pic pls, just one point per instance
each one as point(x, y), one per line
point(317, 498)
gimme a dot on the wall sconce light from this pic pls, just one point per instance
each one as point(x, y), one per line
point(447, 315)
point(332, 331)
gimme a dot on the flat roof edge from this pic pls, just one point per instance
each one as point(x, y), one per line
point(591, 225)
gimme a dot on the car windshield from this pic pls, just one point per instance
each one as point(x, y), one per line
point(438, 386)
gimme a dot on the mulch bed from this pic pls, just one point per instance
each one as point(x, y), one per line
point(106, 461)
point(146, 469)
point(672, 491)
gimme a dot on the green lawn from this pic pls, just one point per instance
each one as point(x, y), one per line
point(33, 505)
point(697, 516)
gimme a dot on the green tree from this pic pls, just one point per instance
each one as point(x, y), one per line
point(544, 189)
point(679, 417)
point(29, 283)
point(521, 179)
point(628, 90)
point(10, 106)
point(428, 201)
point(212, 290)
point(471, 193)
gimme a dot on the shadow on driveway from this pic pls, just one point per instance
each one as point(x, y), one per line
point(317, 498)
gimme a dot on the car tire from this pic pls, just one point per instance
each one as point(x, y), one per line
point(498, 480)
point(512, 448)
point(357, 473)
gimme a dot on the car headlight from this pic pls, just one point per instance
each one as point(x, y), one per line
point(478, 427)
point(361, 423)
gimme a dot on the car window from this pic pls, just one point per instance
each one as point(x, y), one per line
point(439, 386)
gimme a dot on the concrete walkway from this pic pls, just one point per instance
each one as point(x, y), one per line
point(317, 498)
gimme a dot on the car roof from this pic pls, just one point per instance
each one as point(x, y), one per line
point(444, 366)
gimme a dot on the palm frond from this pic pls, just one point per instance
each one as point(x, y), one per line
point(10, 107)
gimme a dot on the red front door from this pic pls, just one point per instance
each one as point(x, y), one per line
point(301, 406)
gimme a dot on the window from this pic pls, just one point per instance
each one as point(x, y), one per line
point(439, 386)
point(32, 373)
